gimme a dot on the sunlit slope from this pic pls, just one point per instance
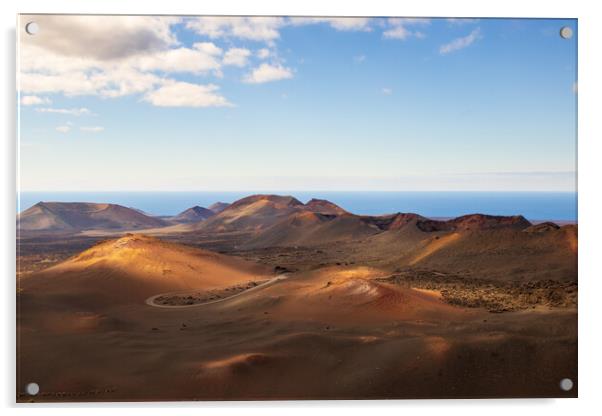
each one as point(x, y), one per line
point(134, 267)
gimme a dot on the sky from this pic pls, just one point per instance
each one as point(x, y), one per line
point(150, 103)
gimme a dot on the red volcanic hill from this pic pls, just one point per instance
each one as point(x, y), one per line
point(542, 227)
point(310, 228)
point(471, 222)
point(285, 221)
point(484, 222)
point(277, 201)
point(503, 249)
point(322, 206)
point(77, 216)
point(135, 267)
point(258, 212)
point(395, 221)
point(252, 213)
point(218, 207)
point(194, 214)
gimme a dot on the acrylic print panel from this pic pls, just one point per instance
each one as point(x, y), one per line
point(267, 208)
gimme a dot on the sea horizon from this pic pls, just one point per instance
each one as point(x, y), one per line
point(535, 206)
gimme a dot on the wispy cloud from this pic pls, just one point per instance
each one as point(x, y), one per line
point(359, 58)
point(401, 28)
point(267, 29)
point(350, 23)
point(397, 32)
point(462, 21)
point(92, 129)
point(263, 53)
point(268, 73)
point(460, 43)
point(63, 129)
point(264, 29)
point(34, 100)
point(66, 111)
point(236, 57)
point(387, 91)
point(201, 58)
point(185, 94)
point(344, 24)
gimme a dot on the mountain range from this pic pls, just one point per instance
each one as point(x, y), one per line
point(274, 219)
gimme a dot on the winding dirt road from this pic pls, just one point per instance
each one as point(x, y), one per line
point(151, 301)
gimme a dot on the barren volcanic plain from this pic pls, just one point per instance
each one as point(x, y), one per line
point(271, 298)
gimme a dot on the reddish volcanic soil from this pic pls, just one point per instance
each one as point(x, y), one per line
point(334, 332)
point(270, 298)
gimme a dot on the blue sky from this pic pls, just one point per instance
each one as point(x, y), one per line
point(297, 104)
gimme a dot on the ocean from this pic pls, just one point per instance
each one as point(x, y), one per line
point(561, 206)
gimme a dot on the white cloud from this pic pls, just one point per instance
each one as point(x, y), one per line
point(409, 21)
point(111, 56)
point(202, 57)
point(68, 83)
point(263, 53)
point(92, 129)
point(350, 23)
point(209, 48)
point(101, 37)
point(267, 73)
point(43, 71)
point(124, 81)
point(266, 29)
point(359, 58)
point(460, 43)
point(63, 129)
point(66, 111)
point(34, 100)
point(399, 28)
point(461, 21)
point(339, 23)
point(387, 91)
point(116, 56)
point(397, 32)
point(184, 94)
point(236, 56)
point(251, 28)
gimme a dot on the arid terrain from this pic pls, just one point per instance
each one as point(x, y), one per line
point(271, 298)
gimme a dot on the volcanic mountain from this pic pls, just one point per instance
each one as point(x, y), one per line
point(258, 212)
point(78, 216)
point(135, 266)
point(495, 249)
point(322, 206)
point(542, 227)
point(484, 222)
point(252, 213)
point(218, 207)
point(474, 222)
point(307, 228)
point(194, 214)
